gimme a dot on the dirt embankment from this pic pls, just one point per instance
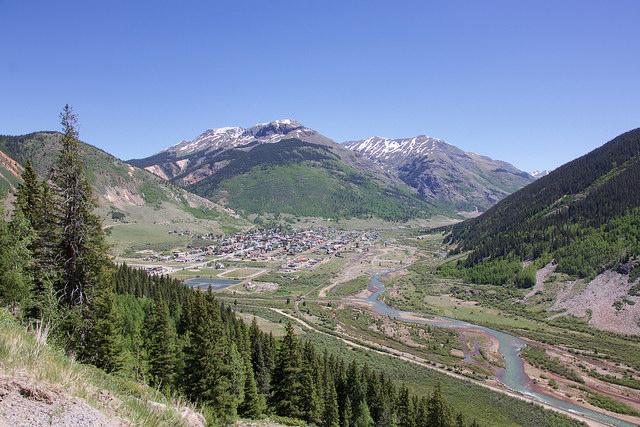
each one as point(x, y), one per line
point(24, 403)
point(11, 165)
point(541, 276)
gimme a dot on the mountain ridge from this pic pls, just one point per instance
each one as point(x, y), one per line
point(441, 171)
point(284, 167)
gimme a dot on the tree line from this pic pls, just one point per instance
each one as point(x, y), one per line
point(56, 272)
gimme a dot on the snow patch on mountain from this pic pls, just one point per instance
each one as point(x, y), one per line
point(539, 173)
point(377, 147)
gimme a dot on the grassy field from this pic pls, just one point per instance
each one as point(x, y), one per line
point(303, 282)
point(239, 273)
point(277, 328)
point(350, 287)
point(136, 236)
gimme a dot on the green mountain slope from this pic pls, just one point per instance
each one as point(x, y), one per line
point(305, 179)
point(10, 172)
point(585, 215)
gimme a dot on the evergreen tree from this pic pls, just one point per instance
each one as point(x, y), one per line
point(161, 346)
point(287, 385)
point(253, 405)
point(28, 196)
point(311, 406)
point(259, 358)
point(405, 418)
point(104, 346)
point(15, 263)
point(347, 412)
point(438, 413)
point(84, 284)
point(82, 248)
point(214, 370)
point(361, 415)
point(331, 413)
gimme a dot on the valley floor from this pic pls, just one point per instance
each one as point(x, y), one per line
point(327, 297)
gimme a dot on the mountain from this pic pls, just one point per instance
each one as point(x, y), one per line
point(590, 191)
point(442, 172)
point(285, 167)
point(127, 196)
point(584, 217)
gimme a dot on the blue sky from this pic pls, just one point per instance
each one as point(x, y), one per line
point(536, 83)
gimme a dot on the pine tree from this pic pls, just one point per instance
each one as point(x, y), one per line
point(405, 418)
point(214, 369)
point(331, 413)
point(311, 406)
point(347, 412)
point(438, 412)
point(28, 196)
point(161, 346)
point(361, 415)
point(253, 405)
point(104, 346)
point(15, 263)
point(82, 247)
point(286, 382)
point(85, 282)
point(259, 358)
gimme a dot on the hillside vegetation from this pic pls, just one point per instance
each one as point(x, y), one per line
point(585, 215)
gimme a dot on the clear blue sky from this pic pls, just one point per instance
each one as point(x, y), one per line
point(536, 83)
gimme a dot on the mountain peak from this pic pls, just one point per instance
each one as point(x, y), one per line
point(235, 136)
point(436, 170)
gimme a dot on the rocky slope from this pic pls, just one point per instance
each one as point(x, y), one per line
point(442, 172)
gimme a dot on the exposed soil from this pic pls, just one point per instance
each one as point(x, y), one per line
point(23, 403)
point(597, 300)
point(541, 276)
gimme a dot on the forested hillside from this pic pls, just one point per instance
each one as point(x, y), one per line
point(585, 215)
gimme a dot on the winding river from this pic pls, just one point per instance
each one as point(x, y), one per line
point(513, 376)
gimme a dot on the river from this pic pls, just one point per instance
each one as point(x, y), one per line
point(513, 376)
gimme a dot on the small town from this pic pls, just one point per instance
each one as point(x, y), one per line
point(292, 250)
